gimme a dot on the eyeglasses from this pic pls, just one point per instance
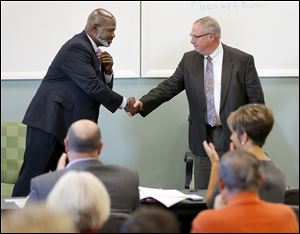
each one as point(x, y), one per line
point(195, 37)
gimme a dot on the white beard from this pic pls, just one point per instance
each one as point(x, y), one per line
point(103, 42)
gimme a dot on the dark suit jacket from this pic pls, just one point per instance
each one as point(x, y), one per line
point(120, 182)
point(73, 89)
point(240, 85)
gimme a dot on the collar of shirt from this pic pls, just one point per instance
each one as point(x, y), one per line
point(79, 160)
point(217, 52)
point(93, 43)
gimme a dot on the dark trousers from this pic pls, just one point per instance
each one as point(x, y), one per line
point(41, 155)
point(202, 165)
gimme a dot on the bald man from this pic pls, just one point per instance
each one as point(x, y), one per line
point(78, 81)
point(83, 146)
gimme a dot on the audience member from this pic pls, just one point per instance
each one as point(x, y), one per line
point(151, 220)
point(250, 125)
point(36, 218)
point(84, 197)
point(240, 209)
point(83, 145)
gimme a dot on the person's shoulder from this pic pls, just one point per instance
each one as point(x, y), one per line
point(79, 40)
point(208, 216)
point(270, 166)
point(122, 169)
point(49, 176)
point(191, 53)
point(235, 51)
point(278, 207)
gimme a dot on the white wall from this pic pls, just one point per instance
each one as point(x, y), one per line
point(33, 32)
point(267, 30)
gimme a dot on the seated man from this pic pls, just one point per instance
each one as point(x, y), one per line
point(83, 145)
point(239, 208)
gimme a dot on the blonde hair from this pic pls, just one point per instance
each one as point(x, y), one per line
point(84, 197)
point(255, 119)
point(36, 218)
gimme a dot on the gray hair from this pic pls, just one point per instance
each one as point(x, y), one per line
point(84, 197)
point(210, 25)
point(240, 171)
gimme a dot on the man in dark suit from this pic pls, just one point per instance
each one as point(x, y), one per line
point(83, 145)
point(215, 77)
point(78, 81)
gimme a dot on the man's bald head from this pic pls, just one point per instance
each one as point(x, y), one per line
point(97, 17)
point(101, 26)
point(83, 136)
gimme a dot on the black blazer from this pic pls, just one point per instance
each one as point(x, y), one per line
point(120, 182)
point(73, 89)
point(240, 85)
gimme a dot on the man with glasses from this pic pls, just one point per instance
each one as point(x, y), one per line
point(217, 80)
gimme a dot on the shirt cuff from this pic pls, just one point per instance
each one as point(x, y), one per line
point(108, 78)
point(124, 103)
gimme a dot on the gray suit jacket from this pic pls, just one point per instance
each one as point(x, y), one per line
point(121, 184)
point(240, 85)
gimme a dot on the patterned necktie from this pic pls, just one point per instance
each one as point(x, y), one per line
point(98, 52)
point(209, 93)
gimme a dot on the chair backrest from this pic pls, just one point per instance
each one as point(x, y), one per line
point(291, 196)
point(13, 137)
point(114, 223)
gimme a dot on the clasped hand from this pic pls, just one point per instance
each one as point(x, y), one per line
point(133, 106)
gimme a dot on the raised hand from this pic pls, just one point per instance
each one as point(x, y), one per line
point(211, 152)
point(220, 202)
point(62, 162)
point(232, 146)
point(107, 61)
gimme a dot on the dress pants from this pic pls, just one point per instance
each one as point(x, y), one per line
point(41, 155)
point(202, 165)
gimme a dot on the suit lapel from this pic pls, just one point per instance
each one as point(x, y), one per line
point(201, 72)
point(97, 64)
point(226, 75)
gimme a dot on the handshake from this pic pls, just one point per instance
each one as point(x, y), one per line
point(133, 106)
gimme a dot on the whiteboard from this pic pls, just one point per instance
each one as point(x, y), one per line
point(267, 30)
point(33, 32)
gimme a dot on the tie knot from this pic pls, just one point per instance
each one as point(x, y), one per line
point(98, 52)
point(209, 58)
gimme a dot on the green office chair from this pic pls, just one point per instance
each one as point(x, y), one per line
point(13, 136)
